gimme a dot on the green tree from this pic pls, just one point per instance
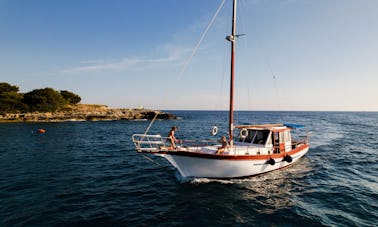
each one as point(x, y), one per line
point(5, 87)
point(44, 100)
point(70, 97)
point(11, 100)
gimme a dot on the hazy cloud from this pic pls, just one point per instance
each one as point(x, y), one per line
point(174, 56)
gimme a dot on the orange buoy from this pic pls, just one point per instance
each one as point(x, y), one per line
point(41, 130)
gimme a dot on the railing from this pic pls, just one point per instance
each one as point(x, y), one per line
point(301, 137)
point(155, 143)
point(148, 143)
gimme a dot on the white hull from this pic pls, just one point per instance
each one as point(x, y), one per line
point(202, 167)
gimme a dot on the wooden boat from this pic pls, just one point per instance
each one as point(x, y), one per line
point(256, 149)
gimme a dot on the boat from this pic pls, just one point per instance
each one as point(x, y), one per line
point(249, 150)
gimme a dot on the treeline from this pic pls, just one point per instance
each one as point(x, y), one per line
point(41, 100)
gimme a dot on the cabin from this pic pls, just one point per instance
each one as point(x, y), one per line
point(265, 139)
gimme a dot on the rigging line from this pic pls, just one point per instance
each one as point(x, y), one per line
point(148, 158)
point(270, 68)
point(200, 40)
point(274, 84)
point(221, 96)
point(225, 63)
point(151, 123)
point(191, 56)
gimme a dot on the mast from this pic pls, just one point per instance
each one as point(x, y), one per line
point(232, 39)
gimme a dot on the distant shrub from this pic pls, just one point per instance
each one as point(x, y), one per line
point(11, 100)
point(70, 97)
point(41, 100)
point(5, 87)
point(44, 100)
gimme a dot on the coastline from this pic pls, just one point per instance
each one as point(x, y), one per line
point(86, 112)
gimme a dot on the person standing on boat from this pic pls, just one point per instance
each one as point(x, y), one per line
point(172, 139)
point(224, 145)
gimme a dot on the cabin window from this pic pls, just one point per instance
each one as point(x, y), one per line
point(261, 137)
point(251, 134)
point(270, 140)
point(248, 139)
point(256, 137)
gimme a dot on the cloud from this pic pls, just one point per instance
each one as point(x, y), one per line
point(95, 66)
point(174, 56)
point(116, 65)
point(168, 55)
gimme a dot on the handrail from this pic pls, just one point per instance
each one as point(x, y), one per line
point(148, 143)
point(158, 144)
point(154, 143)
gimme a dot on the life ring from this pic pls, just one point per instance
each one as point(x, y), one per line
point(243, 133)
point(214, 131)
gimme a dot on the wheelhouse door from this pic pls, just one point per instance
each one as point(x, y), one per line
point(287, 140)
point(282, 141)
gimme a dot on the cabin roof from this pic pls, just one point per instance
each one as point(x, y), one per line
point(271, 127)
point(264, 126)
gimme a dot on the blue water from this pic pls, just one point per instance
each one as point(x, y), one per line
point(88, 174)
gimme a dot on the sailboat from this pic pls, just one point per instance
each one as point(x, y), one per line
point(249, 150)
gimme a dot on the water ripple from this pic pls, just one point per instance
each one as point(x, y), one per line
point(87, 174)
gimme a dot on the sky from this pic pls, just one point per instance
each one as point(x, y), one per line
point(298, 55)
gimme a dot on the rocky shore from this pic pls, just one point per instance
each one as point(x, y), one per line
point(86, 112)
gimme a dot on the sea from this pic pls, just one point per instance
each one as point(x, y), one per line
point(88, 174)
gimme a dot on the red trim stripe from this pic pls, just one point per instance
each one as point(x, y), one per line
point(234, 157)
